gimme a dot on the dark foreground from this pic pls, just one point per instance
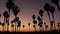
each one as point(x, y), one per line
point(52, 32)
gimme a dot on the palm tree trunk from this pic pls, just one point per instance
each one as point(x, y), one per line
point(49, 16)
point(15, 26)
point(8, 21)
point(4, 22)
point(42, 25)
point(49, 19)
point(8, 26)
point(54, 21)
point(29, 28)
point(23, 29)
point(35, 28)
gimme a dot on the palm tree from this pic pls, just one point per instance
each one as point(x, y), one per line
point(29, 26)
point(34, 21)
point(34, 27)
point(6, 15)
point(46, 26)
point(40, 22)
point(52, 12)
point(19, 24)
point(41, 14)
point(12, 25)
point(33, 16)
point(47, 8)
point(15, 11)
point(23, 27)
point(3, 26)
point(9, 6)
point(51, 23)
point(56, 2)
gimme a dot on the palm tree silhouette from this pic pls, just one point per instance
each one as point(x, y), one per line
point(6, 15)
point(23, 27)
point(45, 25)
point(19, 24)
point(41, 14)
point(40, 22)
point(9, 5)
point(51, 23)
point(3, 26)
point(34, 26)
point(34, 21)
point(47, 8)
point(56, 3)
point(52, 12)
point(29, 26)
point(15, 11)
point(12, 25)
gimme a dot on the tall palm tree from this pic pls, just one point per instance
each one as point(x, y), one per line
point(34, 21)
point(41, 14)
point(56, 3)
point(16, 11)
point(29, 26)
point(52, 12)
point(9, 5)
point(6, 15)
point(23, 27)
point(47, 8)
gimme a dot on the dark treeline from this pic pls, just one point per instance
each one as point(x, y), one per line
point(16, 23)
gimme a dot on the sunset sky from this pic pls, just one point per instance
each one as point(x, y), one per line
point(28, 8)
